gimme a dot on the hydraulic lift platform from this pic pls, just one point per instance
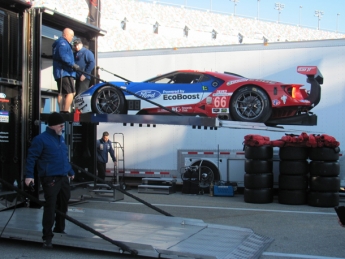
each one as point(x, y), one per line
point(155, 236)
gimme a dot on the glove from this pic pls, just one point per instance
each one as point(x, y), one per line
point(75, 67)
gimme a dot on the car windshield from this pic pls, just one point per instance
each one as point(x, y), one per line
point(179, 78)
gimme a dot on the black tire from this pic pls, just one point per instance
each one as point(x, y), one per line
point(258, 166)
point(209, 173)
point(324, 168)
point(323, 199)
point(324, 154)
point(293, 153)
point(293, 182)
point(324, 184)
point(292, 197)
point(258, 195)
point(108, 100)
point(260, 152)
point(250, 103)
point(293, 167)
point(258, 181)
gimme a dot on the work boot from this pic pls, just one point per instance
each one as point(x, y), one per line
point(47, 244)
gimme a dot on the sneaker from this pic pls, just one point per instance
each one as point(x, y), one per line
point(47, 244)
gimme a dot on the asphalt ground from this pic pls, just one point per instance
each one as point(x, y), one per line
point(298, 231)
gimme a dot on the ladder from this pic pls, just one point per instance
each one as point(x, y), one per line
point(119, 168)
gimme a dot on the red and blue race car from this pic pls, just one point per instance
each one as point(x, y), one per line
point(225, 95)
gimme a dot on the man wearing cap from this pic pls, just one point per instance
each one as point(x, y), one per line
point(49, 153)
point(85, 59)
point(104, 147)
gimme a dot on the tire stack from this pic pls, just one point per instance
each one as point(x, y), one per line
point(258, 179)
point(293, 175)
point(324, 183)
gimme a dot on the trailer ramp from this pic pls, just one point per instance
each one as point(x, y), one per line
point(154, 236)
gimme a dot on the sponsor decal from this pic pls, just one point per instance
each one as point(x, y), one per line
point(4, 118)
point(180, 97)
point(181, 109)
point(78, 100)
point(264, 81)
point(215, 84)
point(215, 110)
point(222, 93)
point(149, 94)
point(220, 110)
point(304, 101)
point(275, 102)
point(172, 91)
point(204, 88)
point(236, 81)
point(283, 98)
point(305, 69)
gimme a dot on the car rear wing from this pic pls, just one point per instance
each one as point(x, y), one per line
point(311, 72)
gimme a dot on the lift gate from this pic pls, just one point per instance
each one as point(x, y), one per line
point(151, 235)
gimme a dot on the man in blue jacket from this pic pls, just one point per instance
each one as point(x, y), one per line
point(104, 147)
point(63, 69)
point(49, 153)
point(85, 59)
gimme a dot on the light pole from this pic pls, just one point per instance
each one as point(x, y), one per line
point(235, 3)
point(257, 15)
point(300, 10)
point(337, 21)
point(279, 7)
point(319, 15)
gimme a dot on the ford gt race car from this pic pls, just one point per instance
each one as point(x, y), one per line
point(212, 94)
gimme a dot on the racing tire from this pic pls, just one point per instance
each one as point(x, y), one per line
point(251, 104)
point(292, 197)
point(324, 184)
point(258, 153)
point(293, 182)
point(108, 100)
point(323, 199)
point(258, 166)
point(258, 195)
point(293, 153)
point(324, 154)
point(324, 168)
point(258, 181)
point(293, 167)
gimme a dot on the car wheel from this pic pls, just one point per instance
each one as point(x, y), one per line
point(250, 104)
point(108, 100)
point(208, 173)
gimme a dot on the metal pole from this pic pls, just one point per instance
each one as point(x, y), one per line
point(337, 22)
point(279, 7)
point(235, 3)
point(300, 10)
point(318, 14)
point(258, 10)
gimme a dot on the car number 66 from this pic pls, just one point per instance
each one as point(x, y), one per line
point(220, 102)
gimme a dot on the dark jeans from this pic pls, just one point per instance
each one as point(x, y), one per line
point(56, 194)
point(101, 167)
point(82, 86)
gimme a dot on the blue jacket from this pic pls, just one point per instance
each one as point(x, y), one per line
point(85, 59)
point(102, 155)
point(49, 152)
point(63, 59)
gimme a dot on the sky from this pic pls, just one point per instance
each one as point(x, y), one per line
point(294, 12)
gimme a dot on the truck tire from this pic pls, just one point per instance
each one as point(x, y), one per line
point(251, 104)
point(294, 167)
point(293, 182)
point(323, 199)
point(292, 197)
point(252, 166)
point(324, 184)
point(258, 195)
point(324, 168)
point(209, 173)
point(324, 154)
point(258, 181)
point(258, 153)
point(293, 153)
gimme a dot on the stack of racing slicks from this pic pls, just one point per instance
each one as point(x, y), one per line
point(308, 167)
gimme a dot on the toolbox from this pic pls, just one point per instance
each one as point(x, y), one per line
point(227, 189)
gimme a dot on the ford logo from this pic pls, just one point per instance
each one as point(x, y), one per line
point(148, 94)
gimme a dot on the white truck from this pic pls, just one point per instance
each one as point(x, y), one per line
point(164, 150)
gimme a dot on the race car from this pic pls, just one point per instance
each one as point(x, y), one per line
point(227, 96)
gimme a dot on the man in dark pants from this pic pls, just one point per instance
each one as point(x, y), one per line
point(104, 147)
point(49, 152)
point(85, 59)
